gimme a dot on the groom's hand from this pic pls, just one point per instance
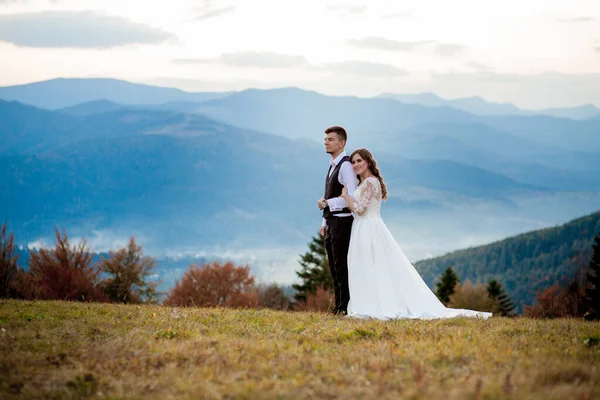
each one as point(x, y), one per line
point(319, 203)
point(322, 231)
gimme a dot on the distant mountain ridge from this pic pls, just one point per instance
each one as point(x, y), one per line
point(92, 107)
point(479, 106)
point(67, 92)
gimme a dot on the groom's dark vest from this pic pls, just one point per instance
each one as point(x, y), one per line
point(333, 188)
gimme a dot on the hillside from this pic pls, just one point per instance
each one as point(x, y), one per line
point(525, 263)
point(156, 352)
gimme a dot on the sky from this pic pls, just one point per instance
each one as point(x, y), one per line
point(533, 53)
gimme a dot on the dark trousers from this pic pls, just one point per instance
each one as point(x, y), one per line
point(337, 241)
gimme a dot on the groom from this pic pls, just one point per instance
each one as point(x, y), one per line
point(337, 218)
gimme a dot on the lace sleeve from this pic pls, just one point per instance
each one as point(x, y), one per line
point(369, 191)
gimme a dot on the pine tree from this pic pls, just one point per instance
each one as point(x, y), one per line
point(315, 270)
point(128, 272)
point(446, 285)
point(593, 277)
point(497, 293)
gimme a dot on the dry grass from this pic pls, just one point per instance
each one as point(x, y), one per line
point(73, 350)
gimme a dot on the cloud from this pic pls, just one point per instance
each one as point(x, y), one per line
point(575, 19)
point(364, 69)
point(379, 43)
point(192, 61)
point(251, 59)
point(344, 10)
point(478, 66)
point(274, 60)
point(209, 11)
point(448, 49)
point(263, 60)
point(397, 15)
point(215, 13)
point(483, 76)
point(75, 29)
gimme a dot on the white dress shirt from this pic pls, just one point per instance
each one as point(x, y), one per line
point(346, 177)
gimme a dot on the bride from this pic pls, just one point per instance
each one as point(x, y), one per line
point(383, 283)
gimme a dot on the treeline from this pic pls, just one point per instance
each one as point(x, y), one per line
point(525, 263)
point(69, 271)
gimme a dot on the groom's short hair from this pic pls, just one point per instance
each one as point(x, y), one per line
point(341, 132)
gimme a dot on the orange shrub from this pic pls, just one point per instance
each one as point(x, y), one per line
point(322, 300)
point(214, 285)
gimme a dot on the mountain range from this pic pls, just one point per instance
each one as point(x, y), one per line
point(67, 92)
point(237, 174)
point(478, 106)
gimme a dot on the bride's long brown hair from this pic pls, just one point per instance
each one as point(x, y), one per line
point(368, 157)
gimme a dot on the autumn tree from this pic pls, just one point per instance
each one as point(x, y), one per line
point(65, 272)
point(497, 293)
point(315, 272)
point(128, 273)
point(566, 299)
point(272, 296)
point(214, 285)
point(321, 300)
point(472, 297)
point(445, 287)
point(9, 268)
point(26, 286)
point(592, 294)
point(548, 304)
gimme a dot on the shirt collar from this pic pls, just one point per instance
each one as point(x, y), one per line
point(336, 161)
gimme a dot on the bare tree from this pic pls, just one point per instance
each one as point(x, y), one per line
point(322, 300)
point(9, 266)
point(272, 296)
point(65, 272)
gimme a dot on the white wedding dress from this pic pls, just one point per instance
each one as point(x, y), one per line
point(383, 283)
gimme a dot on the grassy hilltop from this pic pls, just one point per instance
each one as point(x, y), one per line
point(60, 350)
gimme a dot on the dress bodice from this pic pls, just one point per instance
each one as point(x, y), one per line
point(367, 197)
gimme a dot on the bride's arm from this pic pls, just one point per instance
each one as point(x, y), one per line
point(367, 194)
